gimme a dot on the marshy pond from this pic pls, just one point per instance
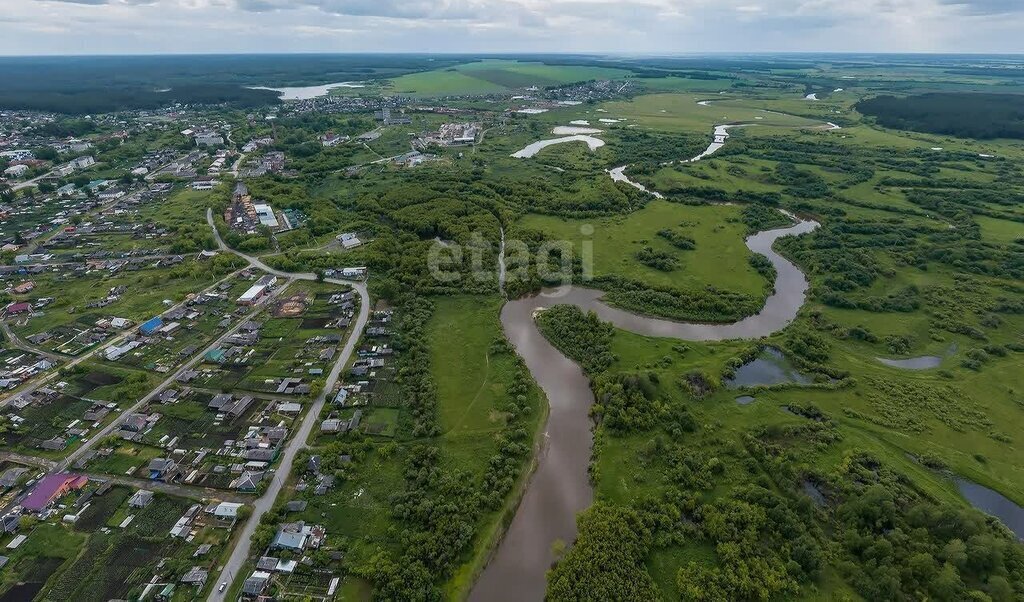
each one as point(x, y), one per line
point(770, 367)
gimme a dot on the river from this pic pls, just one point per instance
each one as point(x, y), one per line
point(560, 488)
point(718, 141)
point(534, 148)
point(994, 503)
point(619, 175)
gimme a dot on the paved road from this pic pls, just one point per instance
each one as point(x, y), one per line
point(31, 182)
point(20, 344)
point(29, 460)
point(233, 566)
point(238, 165)
point(255, 261)
point(98, 436)
point(81, 358)
point(186, 491)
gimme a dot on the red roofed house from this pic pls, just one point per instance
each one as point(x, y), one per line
point(51, 488)
point(18, 308)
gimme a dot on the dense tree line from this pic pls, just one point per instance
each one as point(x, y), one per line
point(439, 508)
point(706, 305)
point(581, 336)
point(678, 239)
point(91, 100)
point(607, 561)
point(966, 115)
point(659, 260)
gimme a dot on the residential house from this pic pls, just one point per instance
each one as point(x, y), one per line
point(24, 288)
point(151, 326)
point(257, 584)
point(10, 523)
point(16, 171)
point(292, 536)
point(196, 577)
point(51, 488)
point(162, 469)
point(16, 309)
point(248, 481)
point(10, 477)
point(141, 499)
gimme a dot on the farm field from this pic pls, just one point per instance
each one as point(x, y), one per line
point(57, 415)
point(147, 291)
point(494, 76)
point(295, 335)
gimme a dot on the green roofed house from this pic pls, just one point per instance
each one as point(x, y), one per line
point(215, 356)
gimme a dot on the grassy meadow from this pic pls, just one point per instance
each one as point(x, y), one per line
point(720, 257)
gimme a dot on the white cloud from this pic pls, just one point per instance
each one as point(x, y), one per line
point(644, 26)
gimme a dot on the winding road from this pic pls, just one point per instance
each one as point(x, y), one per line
point(231, 569)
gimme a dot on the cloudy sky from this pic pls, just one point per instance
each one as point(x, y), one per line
point(631, 26)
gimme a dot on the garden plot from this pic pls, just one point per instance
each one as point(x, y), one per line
point(289, 352)
point(52, 421)
point(200, 438)
point(106, 542)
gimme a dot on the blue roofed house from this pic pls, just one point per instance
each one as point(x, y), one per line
point(341, 397)
point(291, 536)
point(298, 536)
point(162, 469)
point(152, 325)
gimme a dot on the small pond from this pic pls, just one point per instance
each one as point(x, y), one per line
point(994, 503)
point(811, 490)
point(924, 362)
point(770, 367)
point(745, 399)
point(307, 92)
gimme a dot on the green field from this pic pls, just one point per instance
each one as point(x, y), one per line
point(680, 112)
point(720, 257)
point(472, 382)
point(495, 76)
point(1000, 230)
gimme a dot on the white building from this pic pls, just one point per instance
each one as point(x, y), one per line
point(209, 139)
point(265, 213)
point(17, 155)
point(16, 171)
point(349, 240)
point(82, 162)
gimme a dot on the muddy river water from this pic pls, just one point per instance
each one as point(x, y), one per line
point(560, 487)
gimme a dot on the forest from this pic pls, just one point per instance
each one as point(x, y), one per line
point(91, 100)
point(96, 84)
point(967, 115)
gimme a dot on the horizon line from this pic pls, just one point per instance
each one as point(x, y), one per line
point(595, 53)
